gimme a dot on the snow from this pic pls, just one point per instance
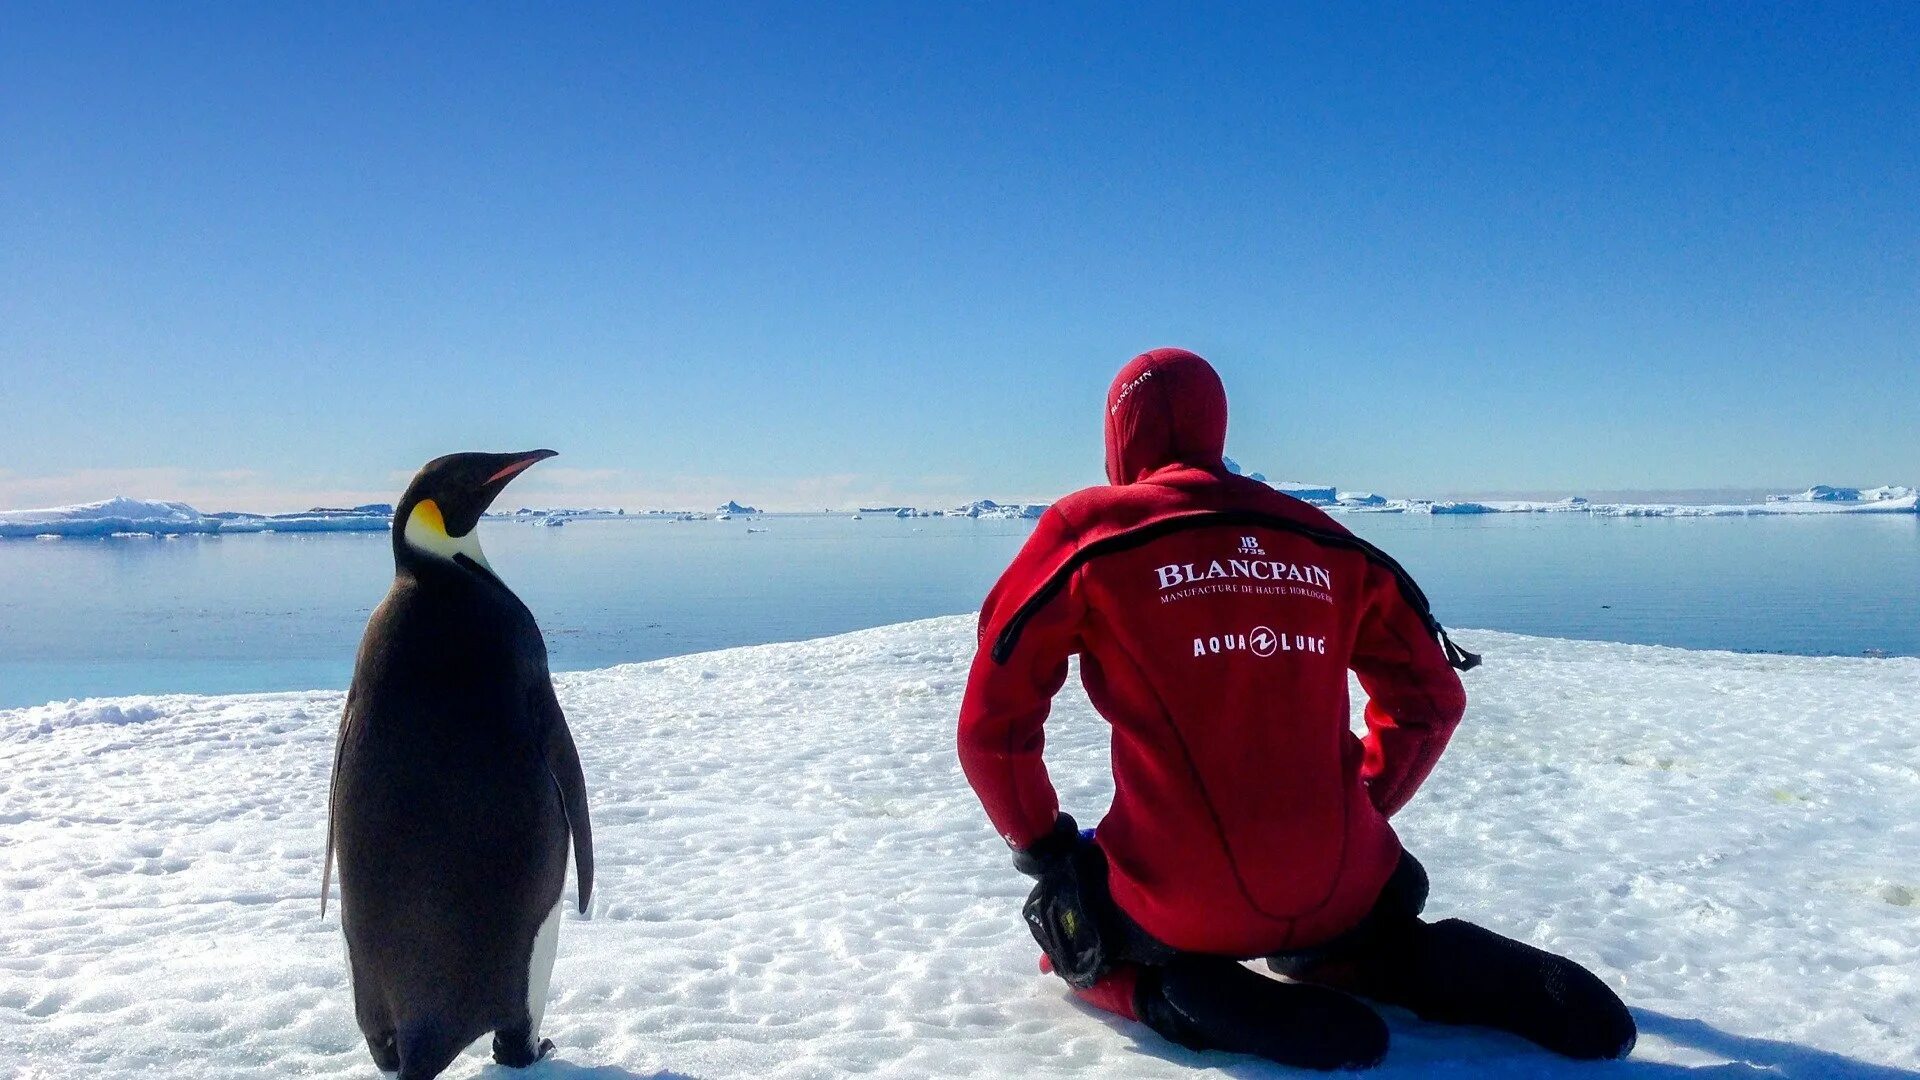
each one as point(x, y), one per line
point(122, 516)
point(794, 880)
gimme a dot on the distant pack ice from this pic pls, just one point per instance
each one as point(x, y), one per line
point(121, 515)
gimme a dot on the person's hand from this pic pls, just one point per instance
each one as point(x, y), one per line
point(1069, 911)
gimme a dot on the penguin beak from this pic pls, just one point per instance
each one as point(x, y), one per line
point(520, 464)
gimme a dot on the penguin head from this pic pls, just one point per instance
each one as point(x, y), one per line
point(437, 516)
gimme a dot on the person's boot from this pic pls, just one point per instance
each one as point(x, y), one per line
point(1215, 1004)
point(1454, 972)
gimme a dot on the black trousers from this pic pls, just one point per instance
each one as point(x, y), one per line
point(1450, 972)
point(1401, 901)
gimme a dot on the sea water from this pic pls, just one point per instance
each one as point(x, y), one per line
point(214, 614)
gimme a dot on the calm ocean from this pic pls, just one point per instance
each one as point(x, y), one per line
point(278, 612)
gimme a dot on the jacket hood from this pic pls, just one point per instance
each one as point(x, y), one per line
point(1166, 407)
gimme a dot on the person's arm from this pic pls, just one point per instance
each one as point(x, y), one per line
point(1414, 698)
point(1006, 703)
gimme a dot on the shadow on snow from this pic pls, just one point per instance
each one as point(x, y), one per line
point(551, 1069)
point(1426, 1050)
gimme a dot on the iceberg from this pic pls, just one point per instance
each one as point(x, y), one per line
point(1889, 500)
point(987, 508)
point(122, 516)
point(1907, 505)
point(794, 880)
point(312, 521)
point(1828, 493)
point(1820, 493)
point(732, 507)
point(107, 517)
point(367, 508)
point(1234, 468)
point(979, 508)
point(1317, 494)
point(557, 515)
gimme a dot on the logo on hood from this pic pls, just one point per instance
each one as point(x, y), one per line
point(1126, 391)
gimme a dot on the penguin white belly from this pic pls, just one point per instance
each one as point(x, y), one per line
point(546, 944)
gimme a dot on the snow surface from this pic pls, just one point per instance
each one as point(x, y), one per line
point(794, 880)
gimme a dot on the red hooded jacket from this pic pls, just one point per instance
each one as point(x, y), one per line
point(1215, 620)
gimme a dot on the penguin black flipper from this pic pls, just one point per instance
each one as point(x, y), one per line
point(563, 764)
point(333, 786)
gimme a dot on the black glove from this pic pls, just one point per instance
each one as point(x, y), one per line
point(1069, 910)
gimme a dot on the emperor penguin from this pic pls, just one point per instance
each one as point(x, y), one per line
point(456, 791)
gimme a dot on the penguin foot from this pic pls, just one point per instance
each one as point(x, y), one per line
point(386, 1053)
point(516, 1049)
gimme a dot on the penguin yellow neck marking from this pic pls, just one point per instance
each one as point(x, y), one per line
point(426, 531)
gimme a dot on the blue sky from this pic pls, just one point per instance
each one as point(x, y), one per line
point(266, 255)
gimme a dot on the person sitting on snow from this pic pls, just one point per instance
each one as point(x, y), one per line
point(1216, 620)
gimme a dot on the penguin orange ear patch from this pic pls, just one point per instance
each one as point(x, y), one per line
point(426, 530)
point(427, 514)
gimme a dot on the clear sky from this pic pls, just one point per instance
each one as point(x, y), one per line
point(264, 255)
